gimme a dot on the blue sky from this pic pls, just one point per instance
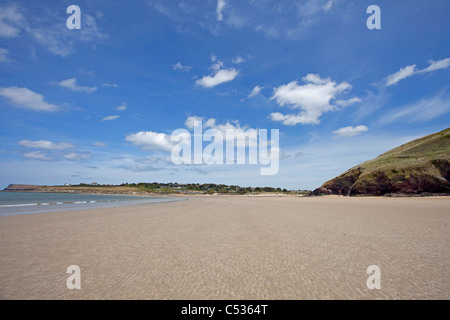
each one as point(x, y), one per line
point(73, 102)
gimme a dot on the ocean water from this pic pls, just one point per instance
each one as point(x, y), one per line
point(14, 203)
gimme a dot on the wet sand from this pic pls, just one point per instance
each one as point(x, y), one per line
point(232, 247)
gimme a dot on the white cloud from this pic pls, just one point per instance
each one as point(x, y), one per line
point(155, 141)
point(345, 103)
point(212, 123)
point(155, 160)
point(149, 140)
point(294, 119)
point(189, 123)
point(436, 65)
point(72, 85)
point(27, 99)
point(53, 151)
point(327, 6)
point(76, 156)
point(10, 22)
point(4, 55)
point(37, 155)
point(141, 168)
point(409, 71)
point(219, 10)
point(424, 110)
point(400, 75)
point(100, 144)
point(221, 76)
point(113, 85)
point(238, 60)
point(255, 91)
point(179, 66)
point(122, 107)
point(110, 118)
point(45, 144)
point(313, 99)
point(349, 131)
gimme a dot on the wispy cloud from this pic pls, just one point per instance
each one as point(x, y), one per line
point(53, 151)
point(45, 144)
point(60, 41)
point(403, 73)
point(345, 103)
point(411, 70)
point(257, 89)
point(10, 22)
point(424, 110)
point(27, 99)
point(349, 131)
point(238, 60)
point(276, 19)
point(219, 10)
point(100, 144)
point(77, 156)
point(72, 85)
point(304, 15)
point(179, 66)
point(4, 55)
point(327, 6)
point(109, 85)
point(110, 118)
point(37, 155)
point(436, 65)
point(141, 168)
point(122, 107)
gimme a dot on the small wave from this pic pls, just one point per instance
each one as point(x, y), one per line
point(18, 205)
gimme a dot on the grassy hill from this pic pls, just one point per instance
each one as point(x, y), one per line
point(421, 166)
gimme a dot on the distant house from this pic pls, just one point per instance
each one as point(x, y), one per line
point(94, 184)
point(67, 184)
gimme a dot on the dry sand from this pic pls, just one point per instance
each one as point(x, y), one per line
point(232, 247)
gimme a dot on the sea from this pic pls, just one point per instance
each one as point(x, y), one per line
point(15, 203)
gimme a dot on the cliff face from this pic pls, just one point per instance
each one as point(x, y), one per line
point(421, 166)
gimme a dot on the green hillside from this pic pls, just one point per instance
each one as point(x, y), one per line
point(421, 166)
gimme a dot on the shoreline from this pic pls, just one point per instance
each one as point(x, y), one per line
point(198, 194)
point(30, 203)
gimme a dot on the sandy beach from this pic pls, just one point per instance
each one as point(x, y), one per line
point(232, 247)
